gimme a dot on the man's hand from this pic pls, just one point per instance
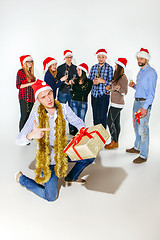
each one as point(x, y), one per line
point(143, 111)
point(37, 133)
point(108, 87)
point(131, 84)
point(98, 80)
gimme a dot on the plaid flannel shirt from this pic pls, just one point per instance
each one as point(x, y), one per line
point(26, 93)
point(106, 73)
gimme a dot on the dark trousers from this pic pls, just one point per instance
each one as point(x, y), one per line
point(100, 109)
point(25, 109)
point(114, 122)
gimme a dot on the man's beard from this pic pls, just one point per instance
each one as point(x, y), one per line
point(142, 64)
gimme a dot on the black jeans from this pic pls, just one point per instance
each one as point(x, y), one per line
point(25, 108)
point(114, 122)
point(100, 109)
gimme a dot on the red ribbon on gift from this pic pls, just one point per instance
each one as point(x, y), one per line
point(138, 115)
point(75, 140)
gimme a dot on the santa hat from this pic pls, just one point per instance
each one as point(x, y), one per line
point(25, 58)
point(101, 51)
point(122, 62)
point(48, 62)
point(40, 86)
point(143, 53)
point(84, 67)
point(67, 53)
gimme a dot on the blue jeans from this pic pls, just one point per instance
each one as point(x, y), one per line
point(141, 130)
point(100, 109)
point(65, 97)
point(49, 191)
point(80, 109)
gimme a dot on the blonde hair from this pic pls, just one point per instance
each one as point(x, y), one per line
point(29, 73)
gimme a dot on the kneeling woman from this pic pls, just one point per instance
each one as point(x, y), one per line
point(81, 88)
point(50, 77)
point(119, 89)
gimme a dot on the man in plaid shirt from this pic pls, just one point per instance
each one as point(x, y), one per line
point(101, 74)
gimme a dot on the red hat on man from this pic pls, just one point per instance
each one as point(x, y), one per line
point(40, 86)
point(143, 53)
point(84, 67)
point(48, 62)
point(101, 51)
point(122, 62)
point(25, 58)
point(67, 53)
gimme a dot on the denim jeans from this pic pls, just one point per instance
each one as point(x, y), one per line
point(141, 130)
point(65, 97)
point(114, 122)
point(100, 109)
point(49, 191)
point(80, 109)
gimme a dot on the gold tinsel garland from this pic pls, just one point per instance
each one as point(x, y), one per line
point(43, 172)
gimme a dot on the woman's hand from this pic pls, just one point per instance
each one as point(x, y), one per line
point(37, 133)
point(131, 84)
point(64, 78)
point(116, 88)
point(108, 87)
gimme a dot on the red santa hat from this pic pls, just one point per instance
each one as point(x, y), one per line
point(143, 53)
point(25, 58)
point(84, 67)
point(40, 86)
point(122, 62)
point(67, 53)
point(101, 51)
point(48, 62)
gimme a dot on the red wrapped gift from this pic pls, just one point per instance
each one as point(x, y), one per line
point(87, 143)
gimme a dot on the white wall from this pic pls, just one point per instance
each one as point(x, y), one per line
point(47, 28)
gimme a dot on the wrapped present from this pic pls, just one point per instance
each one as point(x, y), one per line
point(87, 143)
point(138, 115)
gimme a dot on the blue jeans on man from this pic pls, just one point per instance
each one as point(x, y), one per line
point(49, 191)
point(100, 109)
point(141, 130)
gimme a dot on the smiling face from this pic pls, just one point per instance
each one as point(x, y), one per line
point(79, 72)
point(53, 67)
point(46, 98)
point(28, 64)
point(101, 58)
point(142, 62)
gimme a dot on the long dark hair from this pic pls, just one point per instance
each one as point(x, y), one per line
point(117, 74)
point(83, 77)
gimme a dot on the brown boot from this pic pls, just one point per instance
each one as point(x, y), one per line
point(112, 145)
point(132, 150)
point(140, 160)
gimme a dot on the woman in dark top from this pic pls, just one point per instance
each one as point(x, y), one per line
point(25, 78)
point(81, 87)
point(50, 66)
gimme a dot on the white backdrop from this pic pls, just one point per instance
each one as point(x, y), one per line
point(47, 28)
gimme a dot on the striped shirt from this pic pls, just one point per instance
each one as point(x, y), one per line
point(106, 73)
point(68, 115)
point(26, 93)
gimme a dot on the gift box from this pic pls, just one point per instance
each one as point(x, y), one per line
point(87, 143)
point(138, 116)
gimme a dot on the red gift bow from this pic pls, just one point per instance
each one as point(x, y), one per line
point(138, 115)
point(75, 140)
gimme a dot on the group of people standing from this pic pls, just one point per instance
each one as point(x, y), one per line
point(107, 86)
point(47, 124)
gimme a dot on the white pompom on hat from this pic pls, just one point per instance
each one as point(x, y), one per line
point(101, 51)
point(24, 59)
point(84, 67)
point(40, 86)
point(122, 62)
point(143, 53)
point(48, 62)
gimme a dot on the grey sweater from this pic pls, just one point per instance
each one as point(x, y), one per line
point(118, 96)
